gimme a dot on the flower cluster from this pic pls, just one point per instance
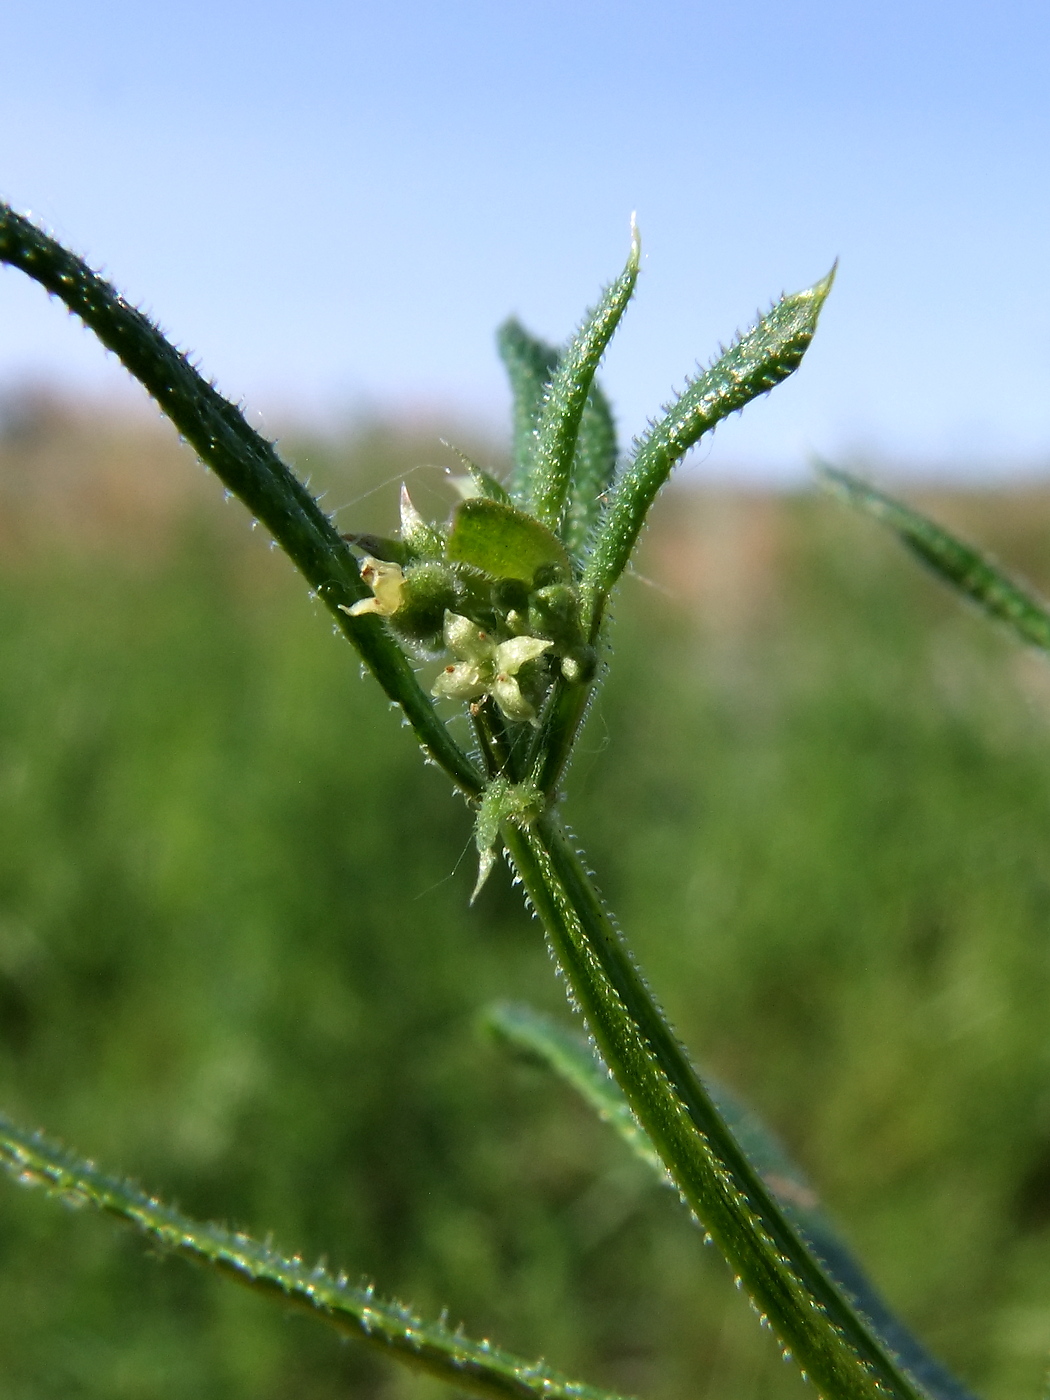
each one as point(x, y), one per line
point(486, 667)
point(492, 590)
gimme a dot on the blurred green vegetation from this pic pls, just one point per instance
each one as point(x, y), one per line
point(236, 959)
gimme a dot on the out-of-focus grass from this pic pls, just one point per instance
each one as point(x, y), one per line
point(236, 959)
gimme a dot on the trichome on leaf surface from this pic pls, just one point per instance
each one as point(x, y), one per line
point(509, 596)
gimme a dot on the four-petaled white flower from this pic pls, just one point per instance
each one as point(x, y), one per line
point(485, 667)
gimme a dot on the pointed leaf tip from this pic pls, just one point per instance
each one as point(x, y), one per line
point(558, 426)
point(420, 537)
point(763, 356)
point(819, 290)
point(486, 864)
point(529, 362)
point(411, 520)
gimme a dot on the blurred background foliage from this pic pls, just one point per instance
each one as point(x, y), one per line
point(236, 959)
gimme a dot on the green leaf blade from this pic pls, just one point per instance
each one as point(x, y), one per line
point(566, 396)
point(593, 470)
point(503, 541)
point(962, 566)
point(478, 1367)
point(570, 1058)
point(529, 363)
point(760, 359)
point(381, 547)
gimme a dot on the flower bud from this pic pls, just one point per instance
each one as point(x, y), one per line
point(554, 612)
point(427, 592)
point(579, 665)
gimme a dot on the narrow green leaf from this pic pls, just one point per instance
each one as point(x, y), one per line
point(478, 1367)
point(530, 363)
point(245, 462)
point(593, 469)
point(959, 564)
point(566, 395)
point(571, 1058)
point(503, 541)
point(760, 359)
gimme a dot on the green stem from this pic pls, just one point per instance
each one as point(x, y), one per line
point(831, 1341)
point(245, 462)
point(552, 748)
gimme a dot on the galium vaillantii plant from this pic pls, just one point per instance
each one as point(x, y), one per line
point(509, 597)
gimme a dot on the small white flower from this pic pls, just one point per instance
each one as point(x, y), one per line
point(386, 582)
point(485, 667)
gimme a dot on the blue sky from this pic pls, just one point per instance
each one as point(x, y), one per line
point(334, 204)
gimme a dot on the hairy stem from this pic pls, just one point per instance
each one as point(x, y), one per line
point(552, 748)
point(831, 1341)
